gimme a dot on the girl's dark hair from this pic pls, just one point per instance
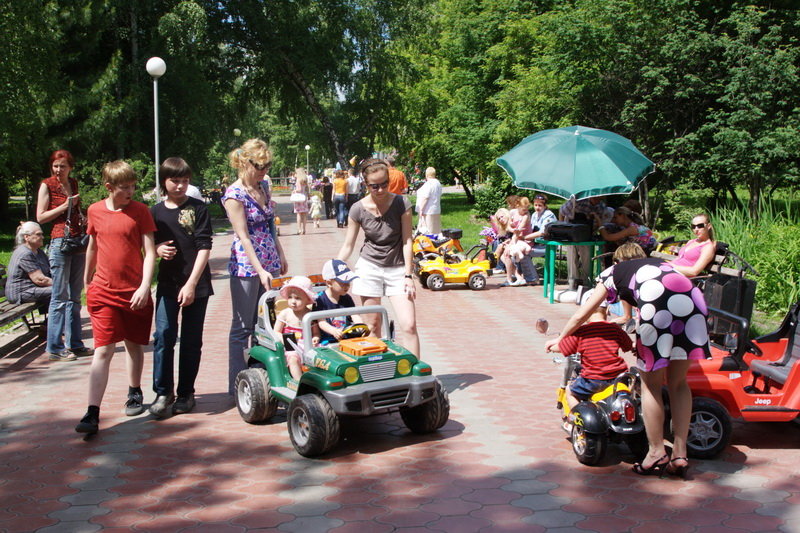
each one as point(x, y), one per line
point(62, 154)
point(173, 167)
point(368, 166)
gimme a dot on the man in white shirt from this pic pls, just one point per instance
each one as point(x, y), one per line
point(353, 190)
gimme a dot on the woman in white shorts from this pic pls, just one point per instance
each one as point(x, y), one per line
point(384, 265)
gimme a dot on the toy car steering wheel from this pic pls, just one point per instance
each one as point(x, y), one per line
point(354, 331)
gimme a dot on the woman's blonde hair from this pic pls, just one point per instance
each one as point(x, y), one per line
point(506, 214)
point(26, 228)
point(302, 175)
point(709, 226)
point(524, 203)
point(254, 150)
point(628, 251)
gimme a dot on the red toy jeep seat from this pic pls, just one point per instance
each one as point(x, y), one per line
point(779, 371)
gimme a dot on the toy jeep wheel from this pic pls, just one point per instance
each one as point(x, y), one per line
point(429, 416)
point(435, 282)
point(709, 429)
point(477, 281)
point(589, 448)
point(253, 397)
point(313, 426)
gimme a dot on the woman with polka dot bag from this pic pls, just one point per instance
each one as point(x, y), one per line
point(671, 332)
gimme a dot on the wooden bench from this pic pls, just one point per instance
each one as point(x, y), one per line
point(723, 282)
point(10, 312)
point(725, 262)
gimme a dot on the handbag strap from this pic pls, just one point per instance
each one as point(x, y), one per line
point(68, 223)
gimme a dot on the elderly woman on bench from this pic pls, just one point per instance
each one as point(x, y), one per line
point(29, 269)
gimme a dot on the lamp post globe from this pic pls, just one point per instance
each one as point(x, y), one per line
point(307, 149)
point(156, 67)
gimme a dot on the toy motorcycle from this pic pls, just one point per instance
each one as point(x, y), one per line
point(447, 246)
point(612, 414)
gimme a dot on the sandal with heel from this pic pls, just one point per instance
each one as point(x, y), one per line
point(680, 471)
point(656, 469)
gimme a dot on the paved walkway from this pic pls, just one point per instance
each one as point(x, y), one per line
point(500, 464)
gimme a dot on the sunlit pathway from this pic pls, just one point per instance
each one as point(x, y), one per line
point(502, 463)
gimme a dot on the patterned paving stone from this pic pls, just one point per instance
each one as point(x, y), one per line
point(554, 519)
point(210, 471)
point(310, 523)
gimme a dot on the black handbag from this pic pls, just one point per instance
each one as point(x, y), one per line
point(73, 244)
point(568, 232)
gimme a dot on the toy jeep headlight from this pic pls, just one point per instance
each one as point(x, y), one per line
point(403, 367)
point(351, 375)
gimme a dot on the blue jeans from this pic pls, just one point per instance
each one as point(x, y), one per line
point(65, 302)
point(192, 319)
point(340, 203)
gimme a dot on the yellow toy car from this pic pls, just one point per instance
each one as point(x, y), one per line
point(472, 270)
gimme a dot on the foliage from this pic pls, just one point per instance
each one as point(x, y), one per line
point(771, 243)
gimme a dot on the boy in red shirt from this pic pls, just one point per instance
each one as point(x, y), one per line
point(117, 279)
point(599, 343)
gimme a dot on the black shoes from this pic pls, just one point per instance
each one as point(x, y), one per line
point(88, 423)
point(159, 407)
point(183, 405)
point(135, 404)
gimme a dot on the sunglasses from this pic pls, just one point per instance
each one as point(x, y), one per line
point(262, 166)
point(376, 186)
point(540, 197)
point(698, 226)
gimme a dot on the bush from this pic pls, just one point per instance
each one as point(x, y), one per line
point(771, 244)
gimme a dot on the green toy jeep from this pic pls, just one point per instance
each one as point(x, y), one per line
point(355, 377)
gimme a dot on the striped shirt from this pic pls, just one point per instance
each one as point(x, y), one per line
point(599, 344)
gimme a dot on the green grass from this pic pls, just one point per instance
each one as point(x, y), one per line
point(457, 213)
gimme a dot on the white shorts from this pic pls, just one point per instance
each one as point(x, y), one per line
point(375, 281)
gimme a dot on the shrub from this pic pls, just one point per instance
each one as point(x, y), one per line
point(771, 244)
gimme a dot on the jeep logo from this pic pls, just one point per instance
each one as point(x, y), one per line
point(763, 401)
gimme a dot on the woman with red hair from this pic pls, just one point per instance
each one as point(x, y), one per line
point(56, 194)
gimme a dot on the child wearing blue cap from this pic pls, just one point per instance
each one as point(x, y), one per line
point(337, 276)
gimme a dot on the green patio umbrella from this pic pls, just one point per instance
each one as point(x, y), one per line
point(577, 161)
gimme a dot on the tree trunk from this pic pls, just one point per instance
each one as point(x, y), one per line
point(299, 82)
point(466, 186)
point(755, 195)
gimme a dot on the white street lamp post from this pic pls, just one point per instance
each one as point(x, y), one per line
point(156, 68)
point(307, 149)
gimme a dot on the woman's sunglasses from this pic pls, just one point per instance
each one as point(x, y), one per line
point(698, 226)
point(262, 166)
point(376, 186)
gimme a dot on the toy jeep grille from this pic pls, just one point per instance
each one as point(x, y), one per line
point(389, 399)
point(377, 371)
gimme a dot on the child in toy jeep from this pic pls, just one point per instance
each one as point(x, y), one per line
point(354, 377)
point(299, 296)
point(755, 380)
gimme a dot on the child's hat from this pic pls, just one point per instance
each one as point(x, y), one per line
point(298, 282)
point(338, 270)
